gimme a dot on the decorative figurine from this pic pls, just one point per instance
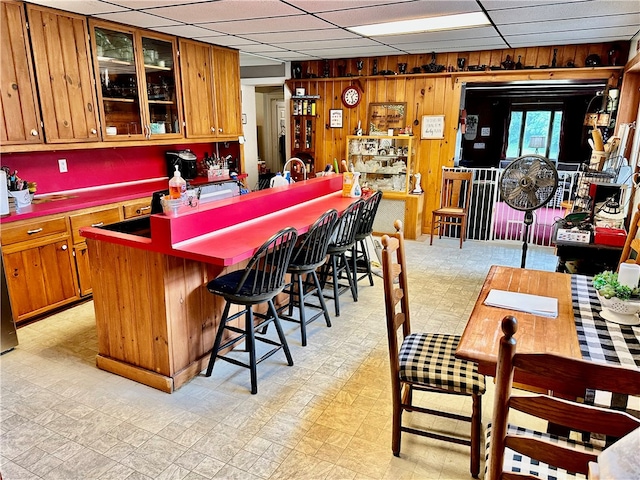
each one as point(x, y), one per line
point(359, 66)
point(375, 67)
point(416, 183)
point(461, 62)
point(402, 68)
point(554, 61)
point(519, 63)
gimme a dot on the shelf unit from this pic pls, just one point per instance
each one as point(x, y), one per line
point(387, 163)
point(304, 109)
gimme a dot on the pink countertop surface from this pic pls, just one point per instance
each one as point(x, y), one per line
point(94, 197)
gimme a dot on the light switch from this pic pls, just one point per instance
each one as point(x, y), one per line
point(62, 165)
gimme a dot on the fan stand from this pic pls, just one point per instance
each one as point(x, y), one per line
point(528, 221)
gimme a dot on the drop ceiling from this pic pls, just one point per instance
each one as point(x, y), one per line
point(275, 31)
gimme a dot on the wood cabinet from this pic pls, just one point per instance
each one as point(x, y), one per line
point(20, 121)
point(211, 81)
point(388, 164)
point(303, 124)
point(39, 266)
point(64, 75)
point(226, 81)
point(385, 163)
point(92, 218)
point(139, 90)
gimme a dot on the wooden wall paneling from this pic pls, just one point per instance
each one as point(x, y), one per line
point(18, 100)
point(158, 322)
point(198, 303)
point(175, 293)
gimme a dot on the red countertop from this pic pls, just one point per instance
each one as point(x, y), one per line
point(93, 197)
point(228, 231)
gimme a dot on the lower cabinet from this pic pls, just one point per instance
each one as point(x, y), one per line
point(40, 277)
point(93, 218)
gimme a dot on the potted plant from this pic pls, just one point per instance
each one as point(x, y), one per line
point(620, 303)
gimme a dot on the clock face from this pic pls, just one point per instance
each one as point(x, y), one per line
point(351, 97)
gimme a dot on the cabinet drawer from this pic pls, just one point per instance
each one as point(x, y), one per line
point(137, 208)
point(92, 219)
point(21, 231)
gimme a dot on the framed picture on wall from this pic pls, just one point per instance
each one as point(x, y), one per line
point(386, 116)
point(432, 127)
point(335, 118)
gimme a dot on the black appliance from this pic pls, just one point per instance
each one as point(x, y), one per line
point(187, 163)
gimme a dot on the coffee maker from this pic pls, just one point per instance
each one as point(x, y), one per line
point(186, 161)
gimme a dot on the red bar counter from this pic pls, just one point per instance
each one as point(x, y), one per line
point(156, 320)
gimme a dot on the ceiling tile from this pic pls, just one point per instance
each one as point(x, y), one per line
point(315, 6)
point(572, 10)
point(139, 19)
point(322, 44)
point(85, 7)
point(568, 25)
point(350, 52)
point(453, 35)
point(308, 36)
point(280, 24)
point(393, 12)
point(575, 36)
point(142, 4)
point(227, 41)
point(189, 31)
point(225, 10)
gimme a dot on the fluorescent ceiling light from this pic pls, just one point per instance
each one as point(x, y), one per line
point(430, 24)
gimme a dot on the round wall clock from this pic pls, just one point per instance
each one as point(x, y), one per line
point(351, 96)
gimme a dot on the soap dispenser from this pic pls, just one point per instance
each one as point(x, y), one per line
point(177, 185)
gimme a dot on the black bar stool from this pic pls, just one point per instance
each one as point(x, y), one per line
point(307, 257)
point(359, 252)
point(342, 241)
point(259, 282)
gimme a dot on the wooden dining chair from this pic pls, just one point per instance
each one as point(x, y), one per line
point(424, 361)
point(631, 249)
point(454, 203)
point(516, 452)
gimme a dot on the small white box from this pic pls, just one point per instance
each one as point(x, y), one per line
point(578, 236)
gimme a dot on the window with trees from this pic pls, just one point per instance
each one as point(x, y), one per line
point(534, 131)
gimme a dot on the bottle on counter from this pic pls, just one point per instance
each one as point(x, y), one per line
point(177, 185)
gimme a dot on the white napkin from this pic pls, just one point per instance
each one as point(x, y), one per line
point(523, 302)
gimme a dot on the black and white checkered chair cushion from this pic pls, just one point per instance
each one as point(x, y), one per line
point(516, 462)
point(428, 358)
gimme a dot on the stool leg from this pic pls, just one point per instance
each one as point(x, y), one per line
point(321, 299)
point(351, 276)
point(251, 348)
point(301, 309)
point(363, 244)
point(354, 257)
point(218, 340)
point(283, 339)
point(336, 297)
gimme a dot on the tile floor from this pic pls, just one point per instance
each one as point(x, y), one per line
point(327, 417)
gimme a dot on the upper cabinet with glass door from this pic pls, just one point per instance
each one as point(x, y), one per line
point(139, 93)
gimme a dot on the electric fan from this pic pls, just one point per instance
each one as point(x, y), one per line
point(526, 184)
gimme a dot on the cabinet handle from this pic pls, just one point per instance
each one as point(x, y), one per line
point(213, 129)
point(64, 248)
point(93, 131)
point(143, 209)
point(34, 132)
point(31, 232)
point(220, 130)
point(99, 224)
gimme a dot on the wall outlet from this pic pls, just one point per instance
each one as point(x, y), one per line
point(62, 165)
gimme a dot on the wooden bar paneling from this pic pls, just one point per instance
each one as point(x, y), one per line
point(434, 94)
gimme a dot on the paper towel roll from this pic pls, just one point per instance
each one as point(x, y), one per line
point(4, 194)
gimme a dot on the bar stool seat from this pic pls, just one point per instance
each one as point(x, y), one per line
point(259, 282)
point(307, 257)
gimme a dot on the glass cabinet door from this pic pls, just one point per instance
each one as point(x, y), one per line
point(120, 95)
point(160, 79)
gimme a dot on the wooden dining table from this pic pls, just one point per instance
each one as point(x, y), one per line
point(536, 333)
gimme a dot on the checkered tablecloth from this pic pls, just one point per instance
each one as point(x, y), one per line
point(604, 342)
